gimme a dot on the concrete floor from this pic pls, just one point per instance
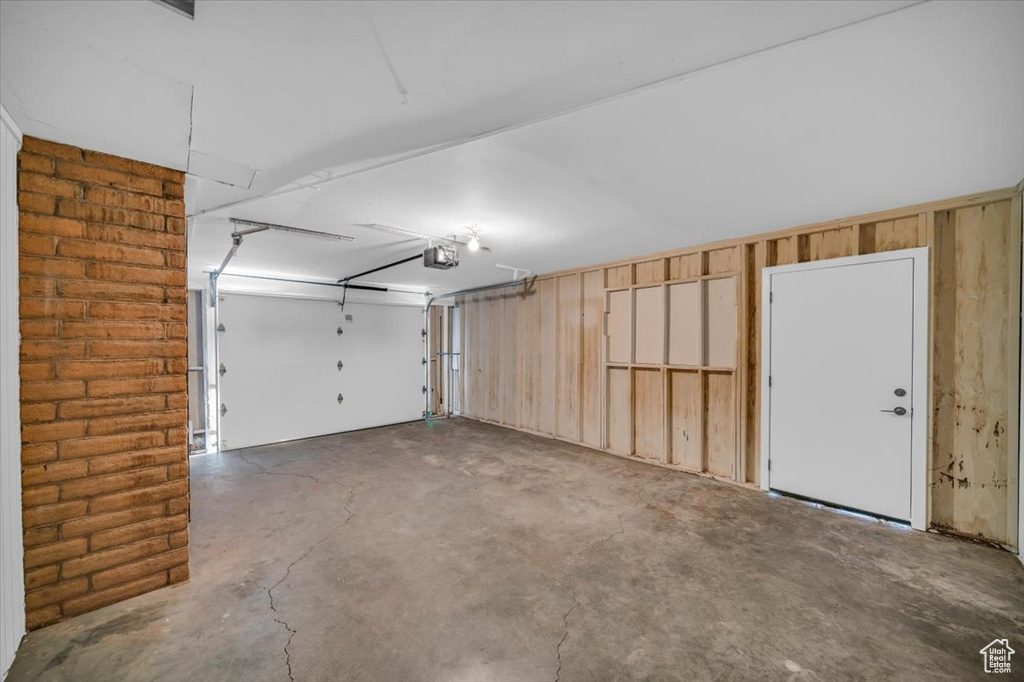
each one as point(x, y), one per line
point(463, 551)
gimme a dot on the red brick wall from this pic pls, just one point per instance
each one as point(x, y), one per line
point(103, 372)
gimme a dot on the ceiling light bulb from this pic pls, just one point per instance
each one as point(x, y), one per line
point(474, 243)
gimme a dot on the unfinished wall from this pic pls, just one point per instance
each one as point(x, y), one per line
point(659, 358)
point(103, 371)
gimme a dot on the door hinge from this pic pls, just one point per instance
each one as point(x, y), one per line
point(771, 297)
point(769, 465)
point(769, 381)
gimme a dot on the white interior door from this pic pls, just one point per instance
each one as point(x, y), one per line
point(842, 382)
point(281, 377)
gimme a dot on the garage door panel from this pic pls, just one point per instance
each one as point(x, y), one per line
point(282, 379)
point(256, 348)
point(260, 377)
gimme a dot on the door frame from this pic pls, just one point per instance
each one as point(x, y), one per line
point(920, 368)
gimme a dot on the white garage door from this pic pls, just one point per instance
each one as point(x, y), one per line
point(281, 377)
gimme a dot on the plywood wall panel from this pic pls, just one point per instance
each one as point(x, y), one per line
point(473, 367)
point(943, 459)
point(593, 337)
point(621, 276)
point(686, 418)
point(902, 233)
point(620, 411)
point(723, 260)
point(973, 363)
point(509, 360)
point(548, 354)
point(529, 358)
point(650, 272)
point(466, 371)
point(620, 326)
point(832, 244)
point(685, 326)
point(722, 322)
point(649, 414)
point(866, 238)
point(567, 387)
point(684, 267)
point(650, 326)
point(783, 251)
point(945, 401)
point(492, 353)
point(720, 423)
point(472, 370)
point(482, 342)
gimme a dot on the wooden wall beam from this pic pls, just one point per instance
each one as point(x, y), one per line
point(1013, 513)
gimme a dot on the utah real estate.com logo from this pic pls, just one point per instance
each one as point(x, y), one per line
point(997, 656)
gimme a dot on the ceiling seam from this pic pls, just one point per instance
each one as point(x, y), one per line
point(664, 82)
point(384, 54)
point(191, 127)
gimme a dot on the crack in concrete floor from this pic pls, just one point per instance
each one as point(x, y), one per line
point(268, 472)
point(589, 549)
point(309, 550)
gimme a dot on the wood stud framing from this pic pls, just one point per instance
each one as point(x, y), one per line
point(658, 358)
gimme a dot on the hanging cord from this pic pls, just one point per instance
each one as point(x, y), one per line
point(344, 296)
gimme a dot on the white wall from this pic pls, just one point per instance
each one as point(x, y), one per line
point(12, 576)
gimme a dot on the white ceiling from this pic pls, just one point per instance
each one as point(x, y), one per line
point(911, 105)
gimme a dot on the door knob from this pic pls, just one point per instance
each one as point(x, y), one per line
point(898, 411)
